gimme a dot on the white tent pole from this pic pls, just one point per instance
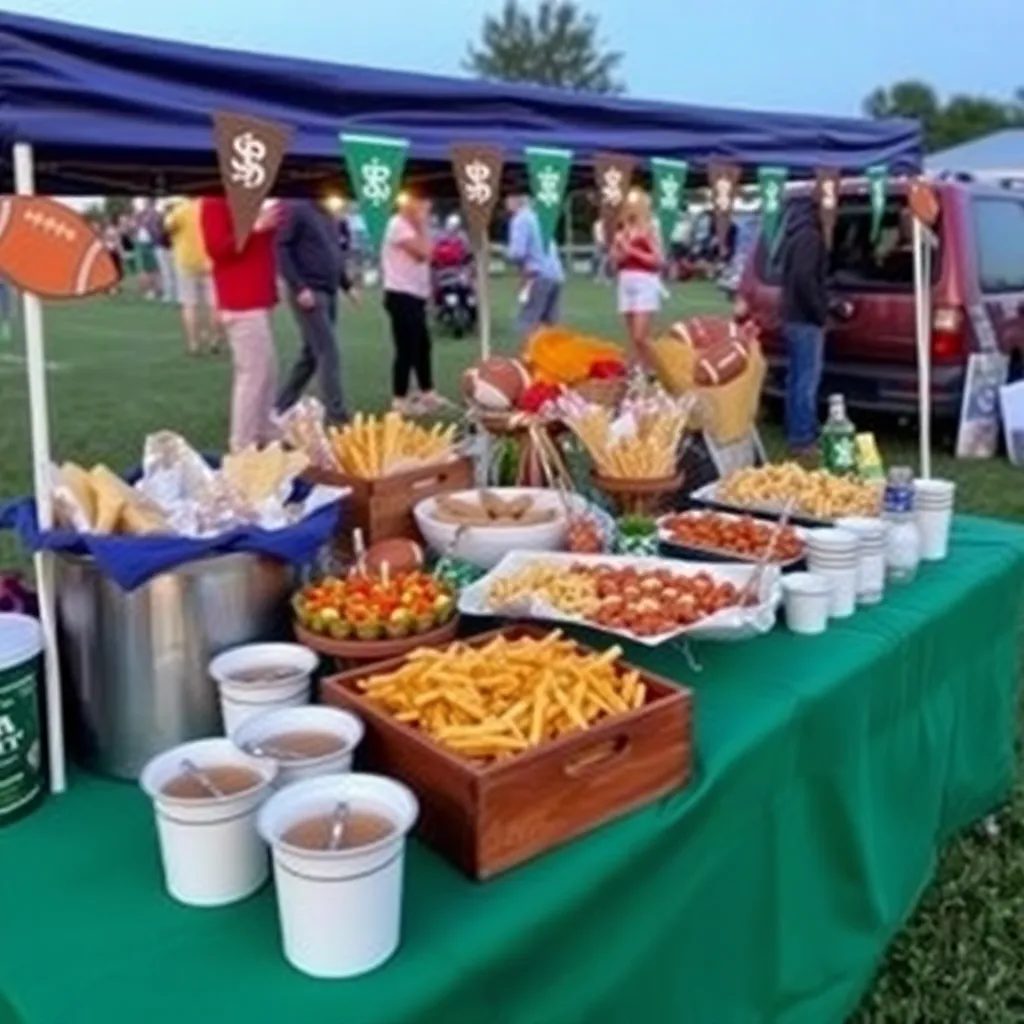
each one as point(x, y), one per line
point(35, 359)
point(922, 306)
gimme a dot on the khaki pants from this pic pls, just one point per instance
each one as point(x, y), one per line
point(255, 377)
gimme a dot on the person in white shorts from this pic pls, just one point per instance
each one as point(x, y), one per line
point(195, 282)
point(637, 258)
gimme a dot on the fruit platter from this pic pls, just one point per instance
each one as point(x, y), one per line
point(647, 600)
point(365, 616)
point(723, 536)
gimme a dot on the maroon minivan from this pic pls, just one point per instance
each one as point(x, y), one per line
point(870, 355)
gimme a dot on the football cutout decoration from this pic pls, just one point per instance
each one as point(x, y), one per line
point(495, 383)
point(50, 250)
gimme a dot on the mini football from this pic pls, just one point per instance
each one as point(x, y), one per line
point(495, 383)
point(48, 249)
point(398, 553)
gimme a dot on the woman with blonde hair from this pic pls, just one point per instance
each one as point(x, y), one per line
point(637, 257)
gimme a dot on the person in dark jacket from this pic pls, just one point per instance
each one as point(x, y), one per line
point(804, 312)
point(310, 260)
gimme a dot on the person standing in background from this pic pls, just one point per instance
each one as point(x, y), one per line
point(112, 242)
point(165, 258)
point(405, 263)
point(245, 286)
point(804, 313)
point(146, 224)
point(637, 257)
point(6, 311)
point(192, 272)
point(311, 263)
point(540, 267)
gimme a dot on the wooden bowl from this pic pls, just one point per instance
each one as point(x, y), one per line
point(642, 497)
point(376, 650)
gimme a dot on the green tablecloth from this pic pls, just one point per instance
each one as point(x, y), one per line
point(831, 770)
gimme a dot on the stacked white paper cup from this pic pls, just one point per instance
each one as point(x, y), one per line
point(871, 533)
point(240, 700)
point(211, 851)
point(833, 553)
point(256, 734)
point(933, 513)
point(340, 910)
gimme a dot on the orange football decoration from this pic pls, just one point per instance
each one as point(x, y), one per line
point(48, 249)
point(398, 553)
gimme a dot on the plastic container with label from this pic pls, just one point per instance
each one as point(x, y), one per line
point(22, 773)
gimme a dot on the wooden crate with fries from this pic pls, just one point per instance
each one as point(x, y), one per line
point(382, 508)
point(518, 740)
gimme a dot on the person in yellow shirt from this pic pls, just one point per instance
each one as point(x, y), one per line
point(195, 285)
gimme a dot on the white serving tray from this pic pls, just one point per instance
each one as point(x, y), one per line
point(727, 624)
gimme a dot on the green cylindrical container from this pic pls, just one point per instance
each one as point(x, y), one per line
point(22, 780)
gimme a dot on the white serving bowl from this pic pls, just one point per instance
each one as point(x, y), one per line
point(485, 546)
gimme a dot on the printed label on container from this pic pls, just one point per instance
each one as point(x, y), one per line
point(21, 751)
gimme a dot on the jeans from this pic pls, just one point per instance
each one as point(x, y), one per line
point(541, 306)
point(319, 355)
point(805, 351)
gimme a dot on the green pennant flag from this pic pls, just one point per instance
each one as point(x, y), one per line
point(772, 184)
point(375, 170)
point(877, 175)
point(669, 180)
point(549, 177)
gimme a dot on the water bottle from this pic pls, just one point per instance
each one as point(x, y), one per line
point(903, 544)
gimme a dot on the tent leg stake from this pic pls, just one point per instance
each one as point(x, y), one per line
point(35, 360)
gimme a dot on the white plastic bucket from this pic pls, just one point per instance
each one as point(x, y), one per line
point(340, 911)
point(210, 849)
point(240, 700)
point(258, 729)
point(22, 782)
point(807, 596)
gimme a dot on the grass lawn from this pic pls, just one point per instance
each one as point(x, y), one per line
point(118, 372)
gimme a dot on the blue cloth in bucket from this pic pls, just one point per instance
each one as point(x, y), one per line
point(132, 561)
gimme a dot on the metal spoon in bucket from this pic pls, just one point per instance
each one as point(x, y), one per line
point(338, 826)
point(202, 778)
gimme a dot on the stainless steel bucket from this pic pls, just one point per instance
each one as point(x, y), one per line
point(135, 662)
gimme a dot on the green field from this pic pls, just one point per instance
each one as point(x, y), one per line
point(118, 371)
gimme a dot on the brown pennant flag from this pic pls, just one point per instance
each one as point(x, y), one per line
point(826, 197)
point(724, 180)
point(923, 203)
point(613, 174)
point(249, 151)
point(478, 175)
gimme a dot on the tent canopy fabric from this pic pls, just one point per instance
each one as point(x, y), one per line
point(1001, 153)
point(111, 112)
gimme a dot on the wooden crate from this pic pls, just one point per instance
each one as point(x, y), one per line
point(487, 819)
point(382, 508)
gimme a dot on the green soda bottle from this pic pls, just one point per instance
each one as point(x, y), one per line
point(838, 439)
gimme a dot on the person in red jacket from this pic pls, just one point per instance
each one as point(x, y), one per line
point(245, 285)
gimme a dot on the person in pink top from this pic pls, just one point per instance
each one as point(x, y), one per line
point(405, 263)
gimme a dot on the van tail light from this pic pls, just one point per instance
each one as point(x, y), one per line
point(948, 342)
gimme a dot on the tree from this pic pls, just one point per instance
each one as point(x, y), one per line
point(945, 124)
point(559, 45)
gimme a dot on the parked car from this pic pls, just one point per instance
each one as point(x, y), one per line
point(870, 355)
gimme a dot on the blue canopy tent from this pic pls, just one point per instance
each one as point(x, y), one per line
point(108, 112)
point(85, 112)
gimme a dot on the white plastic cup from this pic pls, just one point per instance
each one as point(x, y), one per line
point(340, 911)
point(210, 849)
point(872, 534)
point(843, 597)
point(241, 700)
point(807, 597)
point(933, 513)
point(260, 728)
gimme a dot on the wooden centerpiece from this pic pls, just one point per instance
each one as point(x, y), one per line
point(487, 817)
